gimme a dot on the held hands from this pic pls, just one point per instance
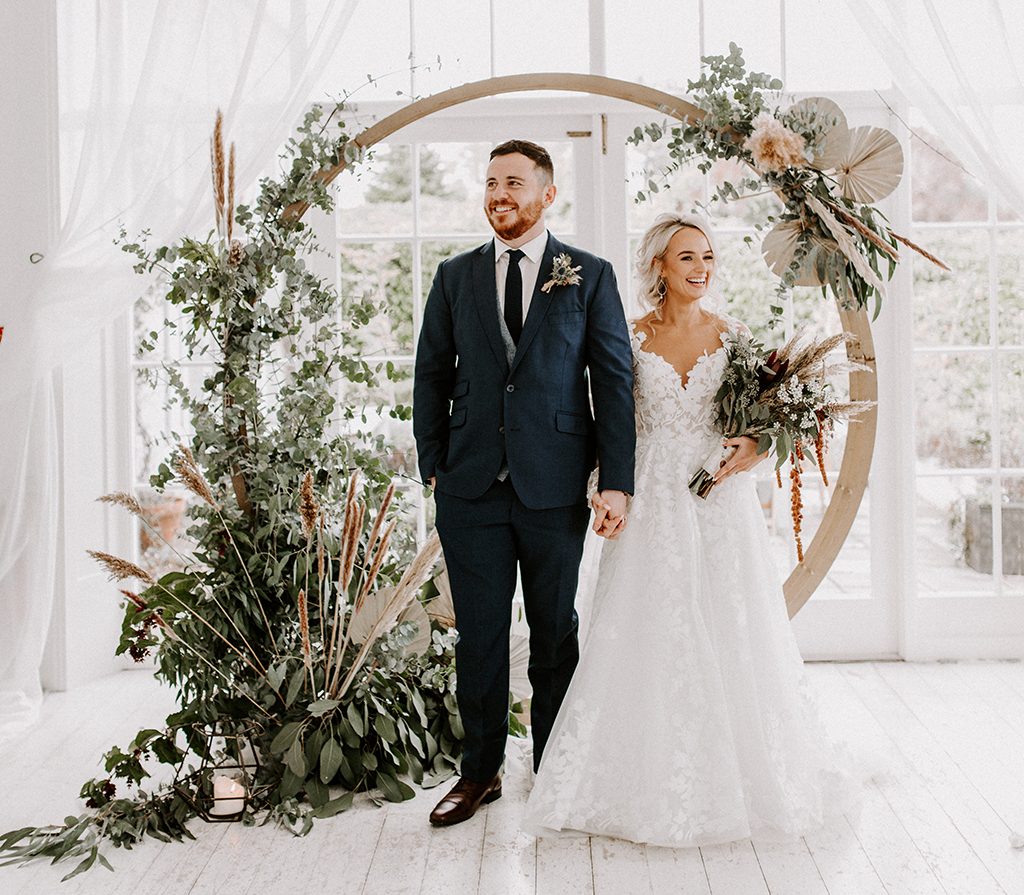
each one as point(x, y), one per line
point(609, 513)
point(742, 457)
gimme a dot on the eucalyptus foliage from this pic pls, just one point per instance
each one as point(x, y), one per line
point(242, 631)
point(732, 99)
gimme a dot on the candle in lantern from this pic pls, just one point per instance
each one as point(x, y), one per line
point(228, 795)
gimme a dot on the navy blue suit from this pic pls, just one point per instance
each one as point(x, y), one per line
point(475, 414)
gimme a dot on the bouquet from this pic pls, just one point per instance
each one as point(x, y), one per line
point(784, 400)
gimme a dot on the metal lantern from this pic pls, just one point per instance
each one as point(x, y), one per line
point(224, 785)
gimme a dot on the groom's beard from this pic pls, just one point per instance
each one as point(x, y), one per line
point(523, 220)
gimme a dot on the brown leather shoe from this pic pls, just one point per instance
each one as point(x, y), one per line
point(461, 803)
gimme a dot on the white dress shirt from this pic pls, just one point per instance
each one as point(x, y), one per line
point(529, 267)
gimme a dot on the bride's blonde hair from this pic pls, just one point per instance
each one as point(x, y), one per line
point(652, 250)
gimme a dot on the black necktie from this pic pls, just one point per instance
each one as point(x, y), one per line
point(514, 296)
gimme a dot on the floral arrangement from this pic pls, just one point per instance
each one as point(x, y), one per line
point(304, 610)
point(562, 273)
point(825, 173)
point(783, 399)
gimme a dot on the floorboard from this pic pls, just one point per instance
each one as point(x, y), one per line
point(677, 871)
point(942, 743)
point(789, 869)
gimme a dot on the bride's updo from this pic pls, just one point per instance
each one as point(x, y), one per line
point(654, 244)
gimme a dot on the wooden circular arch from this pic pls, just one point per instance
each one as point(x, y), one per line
point(853, 474)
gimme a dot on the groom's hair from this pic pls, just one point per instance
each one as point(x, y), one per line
point(537, 154)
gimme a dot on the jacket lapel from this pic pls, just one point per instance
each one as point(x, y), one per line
point(485, 296)
point(540, 300)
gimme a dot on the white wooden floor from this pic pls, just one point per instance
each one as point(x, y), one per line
point(947, 739)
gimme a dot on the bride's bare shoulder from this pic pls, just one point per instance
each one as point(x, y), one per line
point(726, 325)
point(643, 326)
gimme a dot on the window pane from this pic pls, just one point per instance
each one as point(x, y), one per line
point(951, 307)
point(1005, 213)
point(433, 253)
point(827, 50)
point(954, 411)
point(380, 272)
point(1011, 287)
point(850, 573)
point(742, 212)
point(452, 41)
point(380, 199)
point(951, 543)
point(377, 413)
point(747, 284)
point(670, 54)
point(452, 187)
point(680, 193)
point(1013, 534)
point(1011, 410)
point(942, 189)
point(376, 44)
point(753, 25)
point(522, 44)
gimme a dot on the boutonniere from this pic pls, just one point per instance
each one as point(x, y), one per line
point(562, 274)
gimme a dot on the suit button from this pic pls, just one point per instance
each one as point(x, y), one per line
point(510, 388)
point(501, 430)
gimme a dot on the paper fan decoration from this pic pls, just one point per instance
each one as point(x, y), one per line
point(779, 247)
point(373, 609)
point(837, 135)
point(518, 664)
point(872, 165)
point(441, 608)
point(416, 613)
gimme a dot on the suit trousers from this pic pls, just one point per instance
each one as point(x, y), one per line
point(484, 541)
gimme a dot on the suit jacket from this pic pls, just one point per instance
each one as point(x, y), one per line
point(472, 410)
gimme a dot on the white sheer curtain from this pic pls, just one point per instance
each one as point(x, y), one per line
point(140, 84)
point(962, 66)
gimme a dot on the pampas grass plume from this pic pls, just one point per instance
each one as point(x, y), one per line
point(118, 569)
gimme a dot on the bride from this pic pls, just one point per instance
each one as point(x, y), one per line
point(688, 721)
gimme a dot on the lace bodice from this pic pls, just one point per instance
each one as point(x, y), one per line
point(668, 410)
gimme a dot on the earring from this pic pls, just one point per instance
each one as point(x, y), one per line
point(661, 288)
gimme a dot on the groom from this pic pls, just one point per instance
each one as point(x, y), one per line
point(507, 438)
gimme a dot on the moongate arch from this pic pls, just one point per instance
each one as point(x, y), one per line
point(853, 473)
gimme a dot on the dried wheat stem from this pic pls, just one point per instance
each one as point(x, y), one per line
point(188, 472)
point(415, 576)
point(919, 250)
point(381, 514)
point(371, 576)
point(228, 643)
point(118, 569)
point(846, 244)
point(307, 652)
point(125, 500)
point(307, 504)
point(346, 558)
point(128, 502)
point(862, 229)
point(217, 151)
point(321, 572)
point(231, 193)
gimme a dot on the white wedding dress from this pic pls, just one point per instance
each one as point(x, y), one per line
point(689, 721)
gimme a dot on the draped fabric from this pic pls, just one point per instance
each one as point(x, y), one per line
point(140, 82)
point(962, 69)
point(137, 106)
